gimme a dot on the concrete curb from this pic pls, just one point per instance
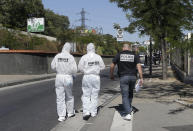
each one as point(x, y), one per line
point(48, 76)
point(17, 82)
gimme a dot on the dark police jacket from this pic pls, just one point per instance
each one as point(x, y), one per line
point(126, 62)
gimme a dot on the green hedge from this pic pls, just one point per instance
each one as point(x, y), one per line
point(16, 41)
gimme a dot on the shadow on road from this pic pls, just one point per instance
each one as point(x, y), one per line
point(155, 87)
point(119, 108)
point(180, 128)
point(165, 91)
point(178, 110)
point(111, 91)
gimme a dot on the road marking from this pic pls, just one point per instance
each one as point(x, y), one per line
point(119, 124)
point(24, 84)
point(89, 123)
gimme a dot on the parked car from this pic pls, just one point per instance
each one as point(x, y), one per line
point(3, 48)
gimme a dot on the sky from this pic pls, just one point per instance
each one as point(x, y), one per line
point(100, 13)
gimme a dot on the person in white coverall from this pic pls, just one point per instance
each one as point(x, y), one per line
point(65, 67)
point(90, 64)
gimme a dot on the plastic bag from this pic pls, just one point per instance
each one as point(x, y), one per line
point(137, 85)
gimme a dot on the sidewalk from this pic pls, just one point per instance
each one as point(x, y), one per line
point(109, 118)
point(170, 89)
point(155, 89)
point(163, 105)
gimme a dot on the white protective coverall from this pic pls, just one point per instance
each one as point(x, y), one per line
point(90, 64)
point(65, 66)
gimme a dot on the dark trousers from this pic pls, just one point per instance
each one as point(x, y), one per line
point(127, 84)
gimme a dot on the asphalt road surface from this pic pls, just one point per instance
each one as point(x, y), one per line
point(32, 107)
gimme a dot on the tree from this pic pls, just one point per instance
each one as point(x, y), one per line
point(109, 44)
point(14, 13)
point(116, 26)
point(55, 23)
point(161, 19)
point(4, 8)
point(142, 49)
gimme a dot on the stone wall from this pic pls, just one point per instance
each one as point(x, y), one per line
point(31, 62)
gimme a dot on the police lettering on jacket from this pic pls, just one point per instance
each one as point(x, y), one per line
point(93, 63)
point(127, 62)
point(62, 59)
point(127, 57)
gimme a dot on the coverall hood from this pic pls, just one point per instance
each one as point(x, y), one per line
point(66, 47)
point(90, 48)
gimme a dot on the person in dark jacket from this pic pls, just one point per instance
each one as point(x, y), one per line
point(127, 62)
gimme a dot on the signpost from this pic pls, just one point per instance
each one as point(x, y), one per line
point(119, 35)
point(35, 25)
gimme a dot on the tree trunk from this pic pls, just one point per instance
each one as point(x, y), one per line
point(150, 60)
point(79, 49)
point(164, 59)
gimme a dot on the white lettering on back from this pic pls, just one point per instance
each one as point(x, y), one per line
point(127, 58)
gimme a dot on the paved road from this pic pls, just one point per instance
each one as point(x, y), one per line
point(32, 107)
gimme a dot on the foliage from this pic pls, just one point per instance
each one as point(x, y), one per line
point(105, 44)
point(158, 17)
point(14, 14)
point(109, 45)
point(142, 49)
point(55, 23)
point(17, 41)
point(187, 44)
point(100, 50)
point(116, 26)
point(161, 19)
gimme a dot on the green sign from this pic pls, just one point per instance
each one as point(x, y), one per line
point(35, 25)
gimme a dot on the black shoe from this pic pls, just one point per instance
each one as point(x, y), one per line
point(134, 110)
point(86, 117)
